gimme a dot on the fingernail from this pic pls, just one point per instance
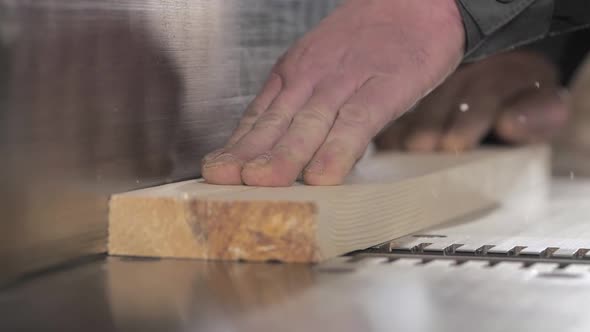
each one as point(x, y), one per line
point(507, 127)
point(221, 159)
point(453, 143)
point(212, 155)
point(423, 142)
point(259, 161)
point(315, 167)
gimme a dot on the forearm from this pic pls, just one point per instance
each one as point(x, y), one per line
point(495, 25)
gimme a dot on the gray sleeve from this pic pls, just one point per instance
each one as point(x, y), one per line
point(492, 26)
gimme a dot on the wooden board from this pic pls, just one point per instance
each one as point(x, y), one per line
point(387, 196)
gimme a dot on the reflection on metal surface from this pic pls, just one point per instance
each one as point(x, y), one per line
point(374, 295)
point(168, 292)
point(156, 295)
point(106, 96)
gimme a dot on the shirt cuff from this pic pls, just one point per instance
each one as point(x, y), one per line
point(496, 25)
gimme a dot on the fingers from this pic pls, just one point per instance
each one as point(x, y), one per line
point(514, 93)
point(358, 120)
point(308, 130)
point(477, 107)
point(469, 122)
point(533, 117)
point(428, 123)
point(261, 102)
point(225, 167)
point(425, 135)
point(392, 137)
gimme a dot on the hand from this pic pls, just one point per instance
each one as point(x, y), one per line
point(336, 88)
point(516, 96)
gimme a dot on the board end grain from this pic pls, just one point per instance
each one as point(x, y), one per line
point(213, 229)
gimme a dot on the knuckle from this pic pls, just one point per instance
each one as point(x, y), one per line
point(246, 123)
point(286, 73)
point(290, 153)
point(297, 59)
point(272, 120)
point(285, 66)
point(345, 151)
point(355, 115)
point(312, 116)
point(252, 113)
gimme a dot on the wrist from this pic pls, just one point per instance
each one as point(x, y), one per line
point(442, 26)
point(453, 26)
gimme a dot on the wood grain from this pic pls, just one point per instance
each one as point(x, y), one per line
point(386, 197)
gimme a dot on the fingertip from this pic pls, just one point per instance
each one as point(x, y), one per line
point(265, 171)
point(509, 128)
point(224, 169)
point(391, 138)
point(315, 174)
point(559, 114)
point(455, 143)
point(320, 180)
point(422, 142)
point(255, 176)
point(312, 174)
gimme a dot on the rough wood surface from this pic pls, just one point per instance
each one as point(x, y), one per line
point(387, 196)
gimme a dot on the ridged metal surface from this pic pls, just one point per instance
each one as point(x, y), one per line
point(554, 231)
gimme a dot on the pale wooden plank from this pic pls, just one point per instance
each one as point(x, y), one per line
point(387, 196)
